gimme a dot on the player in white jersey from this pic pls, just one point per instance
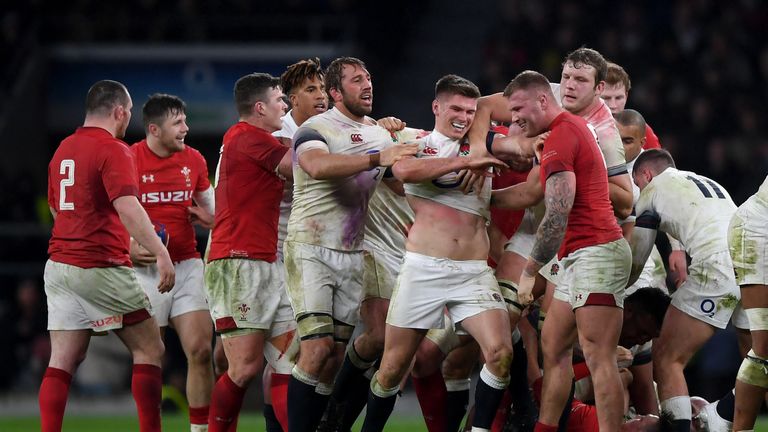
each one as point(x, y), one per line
point(339, 159)
point(445, 261)
point(696, 211)
point(748, 242)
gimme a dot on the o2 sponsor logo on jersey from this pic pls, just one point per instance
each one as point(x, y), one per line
point(708, 307)
point(165, 197)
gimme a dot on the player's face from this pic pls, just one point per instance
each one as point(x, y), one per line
point(527, 111)
point(642, 177)
point(577, 87)
point(356, 90)
point(633, 139)
point(273, 109)
point(310, 99)
point(638, 329)
point(454, 115)
point(615, 96)
point(172, 131)
point(124, 118)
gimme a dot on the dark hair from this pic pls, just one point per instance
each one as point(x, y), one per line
point(160, 106)
point(334, 71)
point(104, 96)
point(527, 80)
point(298, 72)
point(652, 301)
point(253, 88)
point(658, 159)
point(589, 57)
point(456, 85)
point(630, 117)
point(617, 75)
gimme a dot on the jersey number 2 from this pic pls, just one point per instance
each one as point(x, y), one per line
point(703, 188)
point(67, 168)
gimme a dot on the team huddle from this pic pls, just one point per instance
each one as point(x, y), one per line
point(517, 234)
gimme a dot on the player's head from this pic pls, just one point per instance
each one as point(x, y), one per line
point(259, 98)
point(303, 83)
point(109, 99)
point(531, 102)
point(455, 105)
point(649, 164)
point(631, 125)
point(617, 85)
point(349, 85)
point(582, 79)
point(165, 121)
point(644, 312)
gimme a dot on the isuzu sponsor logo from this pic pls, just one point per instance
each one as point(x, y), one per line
point(164, 197)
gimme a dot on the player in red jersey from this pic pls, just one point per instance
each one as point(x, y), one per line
point(243, 277)
point(616, 93)
point(89, 282)
point(171, 176)
point(579, 221)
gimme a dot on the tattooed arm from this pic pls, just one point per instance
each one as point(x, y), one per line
point(558, 197)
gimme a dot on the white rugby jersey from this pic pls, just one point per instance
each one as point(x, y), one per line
point(389, 219)
point(332, 213)
point(445, 190)
point(762, 194)
point(690, 207)
point(287, 131)
point(608, 136)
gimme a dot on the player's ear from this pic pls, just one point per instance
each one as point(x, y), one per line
point(600, 87)
point(154, 130)
point(435, 107)
point(259, 108)
point(336, 95)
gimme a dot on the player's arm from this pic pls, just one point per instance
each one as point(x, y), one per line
point(394, 185)
point(643, 239)
point(642, 392)
point(53, 212)
point(620, 193)
point(203, 213)
point(285, 167)
point(135, 219)
point(559, 194)
point(521, 195)
point(417, 170)
point(677, 260)
point(491, 107)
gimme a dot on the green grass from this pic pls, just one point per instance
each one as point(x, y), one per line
point(178, 423)
point(171, 423)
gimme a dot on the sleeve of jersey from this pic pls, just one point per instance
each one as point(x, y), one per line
point(203, 182)
point(51, 190)
point(118, 171)
point(613, 151)
point(646, 215)
point(307, 139)
point(559, 151)
point(268, 152)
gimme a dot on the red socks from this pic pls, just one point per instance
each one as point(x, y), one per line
point(226, 401)
point(147, 388)
point(199, 415)
point(502, 412)
point(431, 392)
point(279, 391)
point(53, 399)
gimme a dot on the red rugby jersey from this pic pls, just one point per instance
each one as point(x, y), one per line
point(571, 146)
point(248, 194)
point(166, 188)
point(89, 170)
point(651, 140)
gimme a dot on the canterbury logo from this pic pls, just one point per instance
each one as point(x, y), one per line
point(356, 138)
point(162, 197)
point(429, 151)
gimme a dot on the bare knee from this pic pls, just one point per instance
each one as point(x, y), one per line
point(199, 354)
point(498, 358)
point(244, 370)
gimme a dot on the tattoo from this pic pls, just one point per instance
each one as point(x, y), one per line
point(558, 198)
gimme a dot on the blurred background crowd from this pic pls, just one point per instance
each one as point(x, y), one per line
point(699, 71)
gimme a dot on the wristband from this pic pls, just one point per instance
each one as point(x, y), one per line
point(374, 160)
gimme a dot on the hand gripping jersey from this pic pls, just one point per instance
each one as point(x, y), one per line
point(691, 208)
point(332, 213)
point(445, 190)
point(166, 188)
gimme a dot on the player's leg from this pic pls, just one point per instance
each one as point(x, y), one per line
point(68, 348)
point(399, 348)
point(557, 339)
point(145, 344)
point(195, 332)
point(752, 380)
point(427, 378)
point(492, 333)
point(457, 370)
point(281, 352)
point(681, 337)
